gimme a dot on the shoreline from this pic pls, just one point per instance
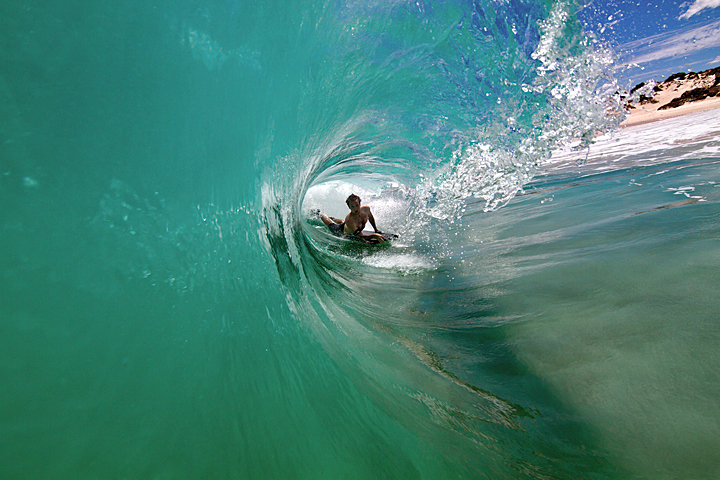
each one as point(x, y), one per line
point(642, 115)
point(686, 129)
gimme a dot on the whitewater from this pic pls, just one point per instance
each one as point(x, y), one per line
point(171, 309)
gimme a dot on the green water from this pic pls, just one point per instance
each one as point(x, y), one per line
point(167, 309)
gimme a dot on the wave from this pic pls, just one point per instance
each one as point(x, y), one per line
point(433, 116)
point(429, 111)
point(168, 220)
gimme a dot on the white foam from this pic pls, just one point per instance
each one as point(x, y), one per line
point(405, 263)
point(689, 133)
point(330, 197)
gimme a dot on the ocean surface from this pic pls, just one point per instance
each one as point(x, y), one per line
point(169, 309)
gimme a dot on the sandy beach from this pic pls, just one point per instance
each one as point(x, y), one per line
point(650, 113)
point(669, 98)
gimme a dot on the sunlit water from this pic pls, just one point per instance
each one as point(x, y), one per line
point(170, 309)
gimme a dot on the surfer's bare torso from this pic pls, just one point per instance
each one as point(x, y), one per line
point(355, 221)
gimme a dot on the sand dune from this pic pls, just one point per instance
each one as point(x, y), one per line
point(679, 94)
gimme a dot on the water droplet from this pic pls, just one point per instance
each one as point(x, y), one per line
point(30, 182)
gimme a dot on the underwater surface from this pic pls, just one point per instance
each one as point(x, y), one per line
point(170, 309)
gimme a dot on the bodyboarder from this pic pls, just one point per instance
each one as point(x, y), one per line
point(354, 222)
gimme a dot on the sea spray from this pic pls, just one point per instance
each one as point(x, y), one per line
point(572, 95)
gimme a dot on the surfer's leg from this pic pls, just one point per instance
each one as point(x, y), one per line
point(325, 219)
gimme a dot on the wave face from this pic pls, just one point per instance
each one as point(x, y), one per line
point(170, 308)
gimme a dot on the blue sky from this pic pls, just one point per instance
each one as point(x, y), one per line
point(662, 37)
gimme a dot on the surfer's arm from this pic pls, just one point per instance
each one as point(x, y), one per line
point(372, 221)
point(376, 236)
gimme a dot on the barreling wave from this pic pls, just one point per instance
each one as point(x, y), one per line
point(438, 106)
point(432, 113)
point(168, 293)
point(429, 113)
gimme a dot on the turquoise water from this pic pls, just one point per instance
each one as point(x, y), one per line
point(170, 310)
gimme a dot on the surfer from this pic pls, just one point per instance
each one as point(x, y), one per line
point(354, 222)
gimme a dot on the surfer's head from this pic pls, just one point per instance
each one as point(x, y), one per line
point(353, 203)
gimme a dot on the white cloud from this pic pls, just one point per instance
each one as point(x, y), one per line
point(697, 6)
point(676, 43)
